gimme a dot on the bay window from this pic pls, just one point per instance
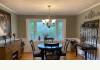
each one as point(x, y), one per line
point(36, 30)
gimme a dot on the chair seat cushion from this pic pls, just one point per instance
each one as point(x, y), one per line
point(37, 54)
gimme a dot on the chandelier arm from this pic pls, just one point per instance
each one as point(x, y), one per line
point(49, 21)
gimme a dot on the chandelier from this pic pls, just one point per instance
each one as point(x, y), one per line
point(49, 22)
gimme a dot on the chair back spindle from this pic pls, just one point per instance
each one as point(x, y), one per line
point(32, 45)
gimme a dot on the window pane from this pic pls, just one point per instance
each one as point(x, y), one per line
point(52, 31)
point(55, 30)
point(43, 30)
point(31, 29)
point(60, 30)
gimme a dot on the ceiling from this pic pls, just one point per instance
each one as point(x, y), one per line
point(40, 7)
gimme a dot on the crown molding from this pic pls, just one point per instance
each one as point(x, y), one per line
point(2, 5)
point(93, 6)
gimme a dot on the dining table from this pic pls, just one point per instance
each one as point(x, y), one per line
point(42, 47)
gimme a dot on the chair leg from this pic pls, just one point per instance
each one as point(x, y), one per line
point(85, 55)
point(33, 58)
point(76, 50)
point(95, 54)
point(64, 57)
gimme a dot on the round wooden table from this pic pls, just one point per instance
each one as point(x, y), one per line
point(42, 47)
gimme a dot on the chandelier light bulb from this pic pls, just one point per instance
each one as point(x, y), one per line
point(49, 22)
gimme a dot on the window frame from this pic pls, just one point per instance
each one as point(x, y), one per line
point(35, 28)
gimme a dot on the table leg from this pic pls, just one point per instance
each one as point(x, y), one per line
point(85, 55)
point(76, 50)
point(42, 53)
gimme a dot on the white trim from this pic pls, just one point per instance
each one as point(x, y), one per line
point(93, 6)
point(7, 8)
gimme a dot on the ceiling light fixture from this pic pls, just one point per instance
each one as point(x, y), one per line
point(49, 22)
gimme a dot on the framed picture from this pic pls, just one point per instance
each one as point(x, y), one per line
point(5, 23)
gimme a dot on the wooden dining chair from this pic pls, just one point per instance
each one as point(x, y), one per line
point(35, 53)
point(52, 53)
point(64, 48)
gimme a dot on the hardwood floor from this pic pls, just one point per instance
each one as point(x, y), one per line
point(69, 56)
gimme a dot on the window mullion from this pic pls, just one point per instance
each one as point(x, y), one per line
point(35, 28)
point(57, 30)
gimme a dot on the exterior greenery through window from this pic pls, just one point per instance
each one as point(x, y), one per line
point(38, 30)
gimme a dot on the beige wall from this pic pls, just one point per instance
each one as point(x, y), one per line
point(21, 26)
point(13, 20)
point(70, 25)
point(14, 24)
